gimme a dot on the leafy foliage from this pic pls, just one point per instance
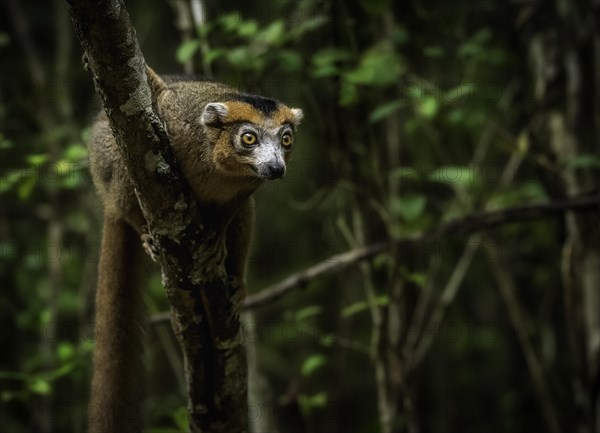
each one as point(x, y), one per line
point(416, 114)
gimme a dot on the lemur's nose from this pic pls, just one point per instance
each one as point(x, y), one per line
point(276, 170)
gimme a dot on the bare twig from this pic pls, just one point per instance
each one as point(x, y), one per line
point(448, 295)
point(199, 16)
point(470, 224)
point(507, 289)
point(183, 22)
point(21, 26)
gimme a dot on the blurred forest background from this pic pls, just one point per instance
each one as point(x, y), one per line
point(417, 113)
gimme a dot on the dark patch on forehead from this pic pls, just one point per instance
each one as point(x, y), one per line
point(267, 105)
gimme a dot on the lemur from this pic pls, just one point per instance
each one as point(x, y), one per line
point(227, 143)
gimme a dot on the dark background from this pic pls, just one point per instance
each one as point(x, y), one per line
point(416, 113)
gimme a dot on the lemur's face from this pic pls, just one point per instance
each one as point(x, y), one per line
point(252, 136)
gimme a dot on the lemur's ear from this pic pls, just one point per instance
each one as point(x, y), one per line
point(298, 115)
point(214, 113)
point(156, 83)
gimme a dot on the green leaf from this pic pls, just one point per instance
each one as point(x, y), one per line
point(241, 57)
point(348, 94)
point(455, 116)
point(385, 110)
point(272, 35)
point(417, 277)
point(40, 386)
point(585, 161)
point(380, 261)
point(355, 308)
point(204, 29)
point(65, 351)
point(76, 152)
point(410, 207)
point(531, 191)
point(73, 180)
point(232, 21)
point(453, 174)
point(308, 26)
point(327, 340)
point(316, 401)
point(26, 188)
point(360, 306)
point(180, 418)
point(290, 61)
point(325, 62)
point(63, 167)
point(8, 181)
point(475, 45)
point(325, 71)
point(37, 159)
point(307, 312)
point(404, 173)
point(379, 66)
point(187, 50)
point(247, 28)
point(64, 370)
point(213, 55)
point(327, 56)
point(428, 107)
point(312, 363)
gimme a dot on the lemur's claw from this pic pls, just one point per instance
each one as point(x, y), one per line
point(150, 248)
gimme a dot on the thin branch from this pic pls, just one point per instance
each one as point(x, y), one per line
point(199, 16)
point(183, 22)
point(21, 27)
point(463, 226)
point(506, 286)
point(301, 279)
point(448, 295)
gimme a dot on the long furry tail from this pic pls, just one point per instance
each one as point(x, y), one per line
point(118, 365)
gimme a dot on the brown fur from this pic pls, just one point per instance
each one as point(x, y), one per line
point(219, 178)
point(117, 355)
point(239, 111)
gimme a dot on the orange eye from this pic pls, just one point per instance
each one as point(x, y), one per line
point(287, 140)
point(249, 138)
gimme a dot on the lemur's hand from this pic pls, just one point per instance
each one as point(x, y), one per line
point(150, 247)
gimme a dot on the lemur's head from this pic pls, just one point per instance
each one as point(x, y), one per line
point(248, 137)
point(252, 136)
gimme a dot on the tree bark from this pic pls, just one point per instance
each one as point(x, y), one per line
point(206, 303)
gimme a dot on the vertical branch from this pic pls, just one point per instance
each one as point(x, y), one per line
point(446, 298)
point(206, 302)
point(379, 343)
point(199, 17)
point(506, 287)
point(183, 22)
point(259, 394)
